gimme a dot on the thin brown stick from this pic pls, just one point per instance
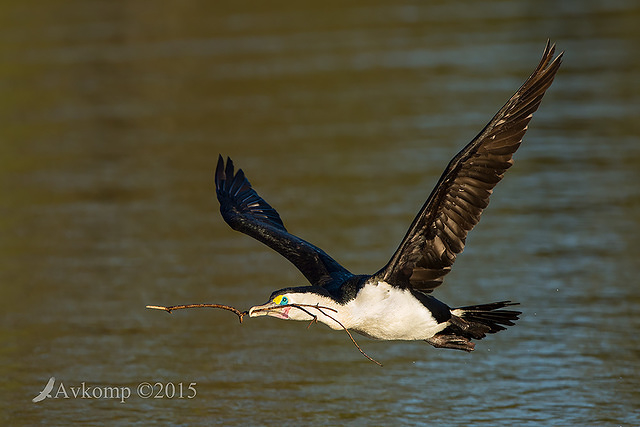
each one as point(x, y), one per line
point(315, 320)
point(302, 307)
point(350, 336)
point(169, 309)
point(298, 306)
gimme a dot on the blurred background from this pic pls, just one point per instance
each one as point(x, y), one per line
point(343, 115)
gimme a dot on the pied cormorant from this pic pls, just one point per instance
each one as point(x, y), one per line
point(395, 302)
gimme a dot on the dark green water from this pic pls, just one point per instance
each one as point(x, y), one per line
point(343, 115)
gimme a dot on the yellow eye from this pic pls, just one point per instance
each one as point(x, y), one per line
point(281, 300)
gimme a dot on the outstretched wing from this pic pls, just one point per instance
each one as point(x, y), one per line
point(438, 232)
point(245, 211)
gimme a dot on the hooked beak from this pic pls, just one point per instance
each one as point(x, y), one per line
point(270, 309)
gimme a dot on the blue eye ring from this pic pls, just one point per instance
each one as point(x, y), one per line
point(284, 301)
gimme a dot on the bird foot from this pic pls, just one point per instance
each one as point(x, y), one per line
point(455, 342)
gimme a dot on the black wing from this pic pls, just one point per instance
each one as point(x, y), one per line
point(245, 211)
point(438, 232)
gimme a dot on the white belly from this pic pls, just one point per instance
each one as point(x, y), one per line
point(383, 312)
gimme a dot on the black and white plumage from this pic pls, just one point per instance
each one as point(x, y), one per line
point(395, 302)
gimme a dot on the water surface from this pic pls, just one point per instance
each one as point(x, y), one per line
point(343, 116)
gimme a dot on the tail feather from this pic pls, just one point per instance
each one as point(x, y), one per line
point(483, 319)
point(474, 322)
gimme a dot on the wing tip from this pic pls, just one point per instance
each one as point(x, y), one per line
point(550, 49)
point(548, 62)
point(234, 191)
point(219, 176)
point(225, 173)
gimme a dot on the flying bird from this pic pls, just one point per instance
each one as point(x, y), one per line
point(46, 391)
point(395, 303)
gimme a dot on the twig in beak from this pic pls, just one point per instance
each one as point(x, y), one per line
point(350, 336)
point(169, 309)
point(315, 320)
point(241, 314)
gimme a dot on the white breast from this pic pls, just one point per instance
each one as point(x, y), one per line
point(383, 312)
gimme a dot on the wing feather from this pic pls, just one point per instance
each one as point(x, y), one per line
point(245, 211)
point(439, 231)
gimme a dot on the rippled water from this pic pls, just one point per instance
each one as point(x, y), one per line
point(343, 116)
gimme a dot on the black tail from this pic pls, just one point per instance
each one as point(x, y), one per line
point(487, 318)
point(474, 322)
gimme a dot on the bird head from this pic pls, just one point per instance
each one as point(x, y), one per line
point(277, 306)
point(295, 304)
